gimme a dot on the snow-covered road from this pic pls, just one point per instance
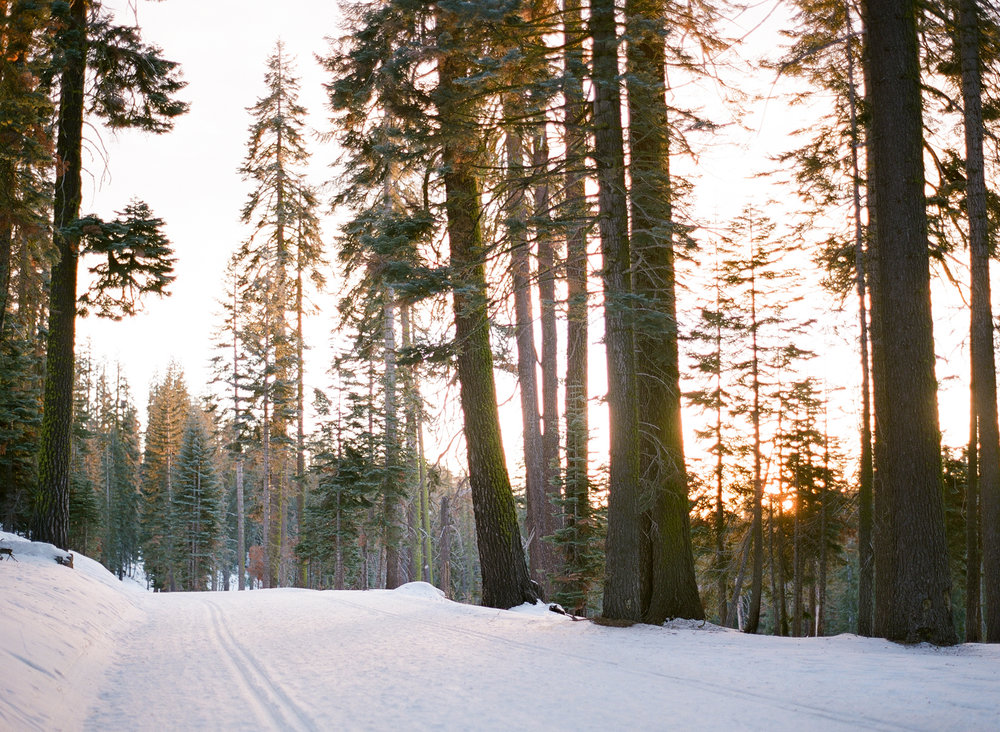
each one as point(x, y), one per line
point(409, 659)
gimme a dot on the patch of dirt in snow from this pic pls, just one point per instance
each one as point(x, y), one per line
point(687, 624)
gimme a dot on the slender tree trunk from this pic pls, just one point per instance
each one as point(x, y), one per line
point(527, 359)
point(577, 481)
point(912, 596)
point(266, 455)
point(823, 496)
point(973, 559)
point(720, 506)
point(446, 529)
point(623, 553)
point(505, 576)
point(300, 413)
point(774, 571)
point(669, 585)
point(984, 381)
point(393, 519)
point(734, 611)
point(51, 510)
point(241, 549)
point(550, 350)
point(797, 565)
point(756, 528)
point(866, 557)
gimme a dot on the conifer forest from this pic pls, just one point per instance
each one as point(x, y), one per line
point(485, 328)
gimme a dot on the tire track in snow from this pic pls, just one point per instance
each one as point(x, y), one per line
point(847, 719)
point(272, 706)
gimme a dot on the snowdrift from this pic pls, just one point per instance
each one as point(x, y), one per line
point(78, 650)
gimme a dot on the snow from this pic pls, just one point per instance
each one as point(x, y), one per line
point(79, 650)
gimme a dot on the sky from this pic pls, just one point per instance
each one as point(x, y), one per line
point(81, 651)
point(190, 178)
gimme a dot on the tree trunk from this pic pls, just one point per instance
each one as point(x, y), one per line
point(51, 510)
point(577, 481)
point(911, 555)
point(797, 566)
point(241, 548)
point(623, 554)
point(984, 383)
point(774, 569)
point(527, 359)
point(445, 547)
point(300, 414)
point(866, 558)
point(506, 581)
point(669, 585)
point(550, 349)
point(756, 527)
point(393, 519)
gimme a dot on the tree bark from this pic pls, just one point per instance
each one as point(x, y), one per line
point(669, 585)
point(393, 518)
point(984, 383)
point(577, 481)
point(866, 558)
point(506, 581)
point(51, 510)
point(911, 555)
point(623, 553)
point(756, 526)
point(527, 358)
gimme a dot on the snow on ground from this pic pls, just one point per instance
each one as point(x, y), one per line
point(80, 651)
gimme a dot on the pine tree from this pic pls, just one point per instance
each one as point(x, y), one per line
point(281, 211)
point(195, 505)
point(25, 109)
point(133, 87)
point(168, 412)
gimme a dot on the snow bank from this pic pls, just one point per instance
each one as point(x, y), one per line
point(58, 628)
point(78, 650)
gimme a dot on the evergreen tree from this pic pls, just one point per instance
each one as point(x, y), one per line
point(167, 415)
point(133, 87)
point(195, 505)
point(281, 211)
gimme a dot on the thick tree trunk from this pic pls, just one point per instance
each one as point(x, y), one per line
point(669, 585)
point(623, 554)
point(984, 381)
point(506, 581)
point(51, 510)
point(577, 481)
point(912, 595)
point(866, 478)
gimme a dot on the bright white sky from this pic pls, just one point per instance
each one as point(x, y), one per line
point(78, 650)
point(189, 178)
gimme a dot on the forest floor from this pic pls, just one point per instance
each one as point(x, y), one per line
point(79, 650)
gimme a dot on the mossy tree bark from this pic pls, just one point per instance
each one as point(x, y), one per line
point(911, 554)
point(669, 585)
point(51, 510)
point(623, 560)
point(505, 577)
